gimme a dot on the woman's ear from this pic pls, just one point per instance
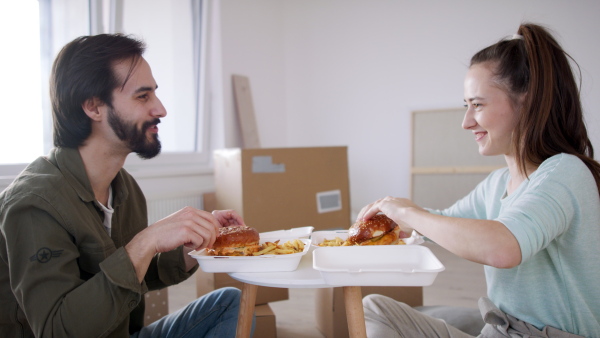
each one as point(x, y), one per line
point(521, 99)
point(91, 107)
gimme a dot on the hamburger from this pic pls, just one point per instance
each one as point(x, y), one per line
point(378, 230)
point(235, 241)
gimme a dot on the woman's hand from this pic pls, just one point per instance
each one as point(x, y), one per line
point(393, 207)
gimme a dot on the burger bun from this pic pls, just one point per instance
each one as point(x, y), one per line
point(236, 241)
point(378, 230)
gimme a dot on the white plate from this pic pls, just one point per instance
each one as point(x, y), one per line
point(263, 263)
point(377, 265)
point(318, 237)
point(285, 235)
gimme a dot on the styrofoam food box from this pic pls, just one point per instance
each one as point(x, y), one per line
point(377, 265)
point(318, 237)
point(263, 263)
point(285, 235)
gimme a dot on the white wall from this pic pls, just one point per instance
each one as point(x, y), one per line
point(252, 38)
point(345, 72)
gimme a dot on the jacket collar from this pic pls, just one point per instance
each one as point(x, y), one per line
point(70, 163)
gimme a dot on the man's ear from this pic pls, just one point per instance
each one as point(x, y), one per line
point(91, 107)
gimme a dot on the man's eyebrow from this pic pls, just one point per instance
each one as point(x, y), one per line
point(145, 89)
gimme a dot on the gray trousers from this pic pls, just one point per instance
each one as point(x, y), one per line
point(386, 317)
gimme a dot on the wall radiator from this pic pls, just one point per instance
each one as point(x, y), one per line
point(161, 208)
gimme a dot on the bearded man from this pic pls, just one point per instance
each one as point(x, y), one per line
point(76, 252)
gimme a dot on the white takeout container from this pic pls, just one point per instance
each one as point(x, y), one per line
point(377, 265)
point(318, 237)
point(262, 263)
point(285, 235)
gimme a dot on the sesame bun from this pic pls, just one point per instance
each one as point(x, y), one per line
point(378, 230)
point(236, 241)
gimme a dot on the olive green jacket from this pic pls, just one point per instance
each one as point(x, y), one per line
point(61, 274)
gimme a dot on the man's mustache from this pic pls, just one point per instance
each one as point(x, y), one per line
point(149, 124)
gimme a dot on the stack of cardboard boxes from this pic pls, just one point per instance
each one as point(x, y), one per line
point(157, 305)
point(277, 189)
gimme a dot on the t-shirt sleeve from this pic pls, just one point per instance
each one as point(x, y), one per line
point(545, 210)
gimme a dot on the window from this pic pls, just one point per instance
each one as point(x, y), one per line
point(20, 82)
point(172, 32)
point(167, 26)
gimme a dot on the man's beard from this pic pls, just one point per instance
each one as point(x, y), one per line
point(136, 138)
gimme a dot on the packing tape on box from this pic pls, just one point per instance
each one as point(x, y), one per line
point(264, 164)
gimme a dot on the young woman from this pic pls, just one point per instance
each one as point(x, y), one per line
point(535, 224)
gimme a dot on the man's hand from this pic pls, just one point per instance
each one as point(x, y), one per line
point(191, 227)
point(196, 229)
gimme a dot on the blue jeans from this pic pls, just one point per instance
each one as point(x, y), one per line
point(212, 315)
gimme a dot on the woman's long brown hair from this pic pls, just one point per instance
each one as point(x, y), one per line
point(550, 118)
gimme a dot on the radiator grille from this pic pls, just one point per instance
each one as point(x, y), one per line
point(160, 208)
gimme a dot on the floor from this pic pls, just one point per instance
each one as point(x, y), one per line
point(460, 284)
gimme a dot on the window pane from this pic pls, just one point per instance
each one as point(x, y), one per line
point(21, 134)
point(166, 27)
point(26, 126)
point(24, 71)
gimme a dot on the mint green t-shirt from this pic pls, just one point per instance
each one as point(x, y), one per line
point(555, 217)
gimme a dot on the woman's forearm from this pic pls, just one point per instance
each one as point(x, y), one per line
point(483, 241)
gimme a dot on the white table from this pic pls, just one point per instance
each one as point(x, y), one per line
point(303, 277)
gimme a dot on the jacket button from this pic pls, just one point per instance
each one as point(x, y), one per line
point(132, 304)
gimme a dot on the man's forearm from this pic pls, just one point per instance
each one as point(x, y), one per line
point(141, 254)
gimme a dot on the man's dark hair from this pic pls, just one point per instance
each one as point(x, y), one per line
point(83, 70)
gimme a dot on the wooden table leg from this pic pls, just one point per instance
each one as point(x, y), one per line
point(354, 312)
point(244, 325)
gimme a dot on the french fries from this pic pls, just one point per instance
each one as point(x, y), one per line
point(333, 242)
point(340, 242)
point(274, 248)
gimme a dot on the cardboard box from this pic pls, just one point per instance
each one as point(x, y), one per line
point(283, 188)
point(208, 281)
point(330, 310)
point(265, 322)
point(157, 305)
